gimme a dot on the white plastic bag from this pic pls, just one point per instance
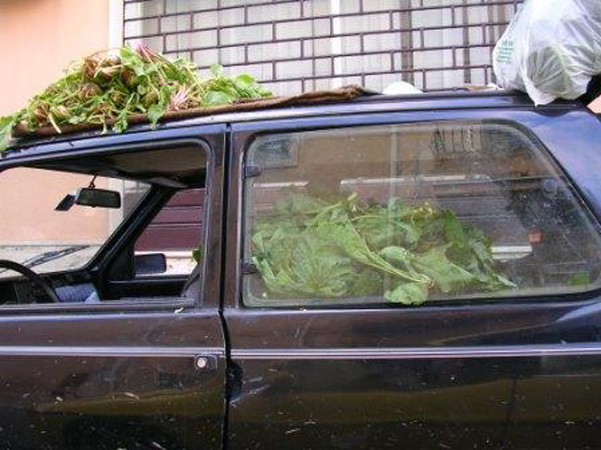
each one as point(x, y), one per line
point(551, 49)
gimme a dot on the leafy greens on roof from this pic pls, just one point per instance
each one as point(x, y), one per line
point(105, 89)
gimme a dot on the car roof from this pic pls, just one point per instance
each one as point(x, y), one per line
point(30, 146)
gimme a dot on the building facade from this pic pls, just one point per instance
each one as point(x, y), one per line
point(301, 45)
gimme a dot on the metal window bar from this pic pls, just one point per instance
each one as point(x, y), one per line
point(293, 45)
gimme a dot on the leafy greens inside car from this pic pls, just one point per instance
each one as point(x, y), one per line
point(308, 247)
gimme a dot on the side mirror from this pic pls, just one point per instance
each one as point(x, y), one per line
point(150, 264)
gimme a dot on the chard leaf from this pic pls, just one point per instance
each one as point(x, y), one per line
point(154, 114)
point(6, 126)
point(216, 70)
point(246, 80)
point(447, 276)
point(408, 294)
point(216, 98)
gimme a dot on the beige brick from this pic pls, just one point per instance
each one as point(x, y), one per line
point(477, 77)
point(317, 8)
point(323, 84)
point(384, 41)
point(207, 57)
point(231, 16)
point(175, 23)
point(194, 39)
point(141, 27)
point(304, 28)
point(228, 3)
point(268, 52)
point(241, 35)
point(323, 67)
point(396, 21)
point(444, 79)
point(436, 38)
point(294, 69)
point(284, 11)
point(381, 5)
point(476, 35)
point(326, 46)
point(350, 6)
point(357, 64)
point(432, 18)
point(285, 88)
point(362, 24)
point(206, 19)
point(479, 56)
point(178, 6)
point(145, 9)
point(231, 55)
point(431, 59)
point(477, 14)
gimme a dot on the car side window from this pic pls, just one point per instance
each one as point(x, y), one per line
point(42, 228)
point(412, 213)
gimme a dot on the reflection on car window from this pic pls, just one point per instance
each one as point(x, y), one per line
point(36, 235)
point(176, 233)
point(409, 214)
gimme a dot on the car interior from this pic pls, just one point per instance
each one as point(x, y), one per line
point(129, 203)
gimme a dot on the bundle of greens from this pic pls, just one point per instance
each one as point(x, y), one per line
point(308, 247)
point(105, 89)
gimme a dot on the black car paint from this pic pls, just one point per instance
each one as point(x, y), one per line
point(511, 373)
point(462, 375)
point(107, 376)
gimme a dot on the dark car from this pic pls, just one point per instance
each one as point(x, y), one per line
point(391, 272)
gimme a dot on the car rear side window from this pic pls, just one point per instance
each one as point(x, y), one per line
point(410, 214)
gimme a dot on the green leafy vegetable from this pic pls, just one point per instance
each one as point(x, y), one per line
point(408, 294)
point(308, 247)
point(103, 89)
point(580, 279)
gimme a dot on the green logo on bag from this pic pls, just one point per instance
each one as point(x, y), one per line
point(504, 52)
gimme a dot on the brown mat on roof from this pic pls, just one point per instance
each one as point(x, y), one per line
point(309, 98)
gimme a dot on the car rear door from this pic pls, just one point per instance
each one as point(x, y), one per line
point(365, 373)
point(555, 403)
point(143, 373)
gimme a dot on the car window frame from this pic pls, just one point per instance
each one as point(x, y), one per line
point(209, 138)
point(244, 135)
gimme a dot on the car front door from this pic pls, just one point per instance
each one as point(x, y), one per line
point(145, 372)
point(323, 356)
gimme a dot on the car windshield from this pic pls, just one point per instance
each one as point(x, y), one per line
point(38, 233)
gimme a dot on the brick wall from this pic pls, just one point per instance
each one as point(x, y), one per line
point(296, 45)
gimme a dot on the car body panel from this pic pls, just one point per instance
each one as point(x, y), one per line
point(506, 373)
point(141, 374)
point(450, 375)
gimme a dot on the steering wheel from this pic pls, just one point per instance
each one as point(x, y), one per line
point(31, 276)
